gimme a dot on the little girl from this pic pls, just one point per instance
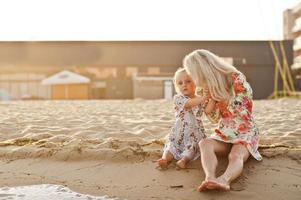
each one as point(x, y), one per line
point(188, 129)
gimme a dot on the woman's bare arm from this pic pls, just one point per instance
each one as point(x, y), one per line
point(210, 106)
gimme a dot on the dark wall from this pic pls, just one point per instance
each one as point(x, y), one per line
point(139, 53)
point(261, 80)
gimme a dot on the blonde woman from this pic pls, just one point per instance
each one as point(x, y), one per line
point(188, 130)
point(230, 105)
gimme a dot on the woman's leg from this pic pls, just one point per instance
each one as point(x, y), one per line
point(209, 148)
point(238, 155)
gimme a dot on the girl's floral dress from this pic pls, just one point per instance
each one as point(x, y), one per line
point(236, 123)
point(187, 131)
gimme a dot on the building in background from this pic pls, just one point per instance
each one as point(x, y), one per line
point(153, 86)
point(68, 85)
point(126, 69)
point(292, 31)
point(19, 85)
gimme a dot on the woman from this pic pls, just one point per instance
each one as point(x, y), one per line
point(230, 105)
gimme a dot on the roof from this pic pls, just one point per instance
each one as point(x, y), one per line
point(65, 77)
point(153, 77)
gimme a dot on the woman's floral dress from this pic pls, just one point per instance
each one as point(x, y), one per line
point(187, 131)
point(236, 123)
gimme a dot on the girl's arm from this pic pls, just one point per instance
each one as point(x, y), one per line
point(194, 102)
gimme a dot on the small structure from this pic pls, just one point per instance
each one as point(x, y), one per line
point(292, 31)
point(68, 85)
point(147, 86)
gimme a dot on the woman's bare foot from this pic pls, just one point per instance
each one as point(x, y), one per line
point(162, 163)
point(203, 186)
point(206, 184)
point(218, 184)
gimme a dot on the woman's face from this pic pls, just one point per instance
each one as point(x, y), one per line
point(185, 84)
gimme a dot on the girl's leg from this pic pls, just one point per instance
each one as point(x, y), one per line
point(209, 148)
point(189, 154)
point(238, 155)
point(166, 158)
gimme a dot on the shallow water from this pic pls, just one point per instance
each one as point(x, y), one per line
point(45, 192)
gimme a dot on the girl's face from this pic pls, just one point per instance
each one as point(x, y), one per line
point(185, 84)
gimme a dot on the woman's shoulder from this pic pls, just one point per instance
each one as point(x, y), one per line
point(240, 83)
point(238, 76)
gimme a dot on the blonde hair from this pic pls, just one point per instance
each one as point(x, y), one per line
point(208, 69)
point(179, 71)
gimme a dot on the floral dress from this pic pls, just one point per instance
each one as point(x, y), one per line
point(187, 131)
point(236, 123)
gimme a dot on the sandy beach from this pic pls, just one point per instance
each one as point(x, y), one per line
point(109, 147)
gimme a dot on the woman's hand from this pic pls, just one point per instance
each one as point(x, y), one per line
point(209, 103)
point(206, 93)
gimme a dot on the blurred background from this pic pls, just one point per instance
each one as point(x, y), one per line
point(130, 49)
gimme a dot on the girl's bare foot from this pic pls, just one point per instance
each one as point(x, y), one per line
point(162, 163)
point(181, 164)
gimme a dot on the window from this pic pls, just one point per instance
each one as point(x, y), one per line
point(153, 70)
point(131, 70)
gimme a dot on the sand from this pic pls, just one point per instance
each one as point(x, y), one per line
point(108, 148)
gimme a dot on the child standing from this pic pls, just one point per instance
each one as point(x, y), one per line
point(188, 130)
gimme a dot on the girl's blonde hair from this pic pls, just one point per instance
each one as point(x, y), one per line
point(207, 69)
point(179, 71)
